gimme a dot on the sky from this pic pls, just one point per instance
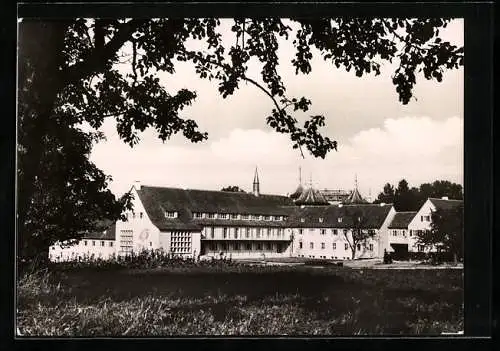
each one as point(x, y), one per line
point(380, 140)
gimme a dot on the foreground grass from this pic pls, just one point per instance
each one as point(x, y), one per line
point(239, 300)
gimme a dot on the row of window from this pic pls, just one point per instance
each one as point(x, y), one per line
point(334, 246)
point(246, 232)
point(103, 243)
point(333, 231)
point(332, 257)
point(132, 215)
point(425, 218)
point(242, 246)
point(235, 216)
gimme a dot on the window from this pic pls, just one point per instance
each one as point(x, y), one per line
point(212, 232)
point(411, 232)
point(170, 214)
point(427, 218)
point(268, 231)
point(236, 233)
point(371, 231)
point(311, 245)
point(85, 242)
point(300, 244)
point(268, 246)
point(334, 246)
point(320, 220)
point(358, 247)
point(346, 246)
point(339, 219)
point(140, 214)
point(247, 232)
point(249, 246)
point(322, 246)
point(110, 244)
point(323, 231)
point(420, 248)
point(236, 247)
point(257, 232)
point(302, 220)
point(222, 215)
point(421, 218)
point(394, 233)
point(198, 215)
point(102, 243)
point(234, 216)
point(301, 231)
point(133, 214)
point(150, 243)
point(259, 246)
point(371, 247)
point(211, 215)
point(224, 233)
point(334, 231)
point(93, 243)
point(404, 232)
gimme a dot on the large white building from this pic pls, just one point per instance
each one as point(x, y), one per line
point(193, 223)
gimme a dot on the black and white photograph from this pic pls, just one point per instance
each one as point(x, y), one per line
point(244, 176)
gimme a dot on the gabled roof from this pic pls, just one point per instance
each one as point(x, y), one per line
point(108, 232)
point(445, 204)
point(375, 216)
point(311, 197)
point(156, 200)
point(401, 220)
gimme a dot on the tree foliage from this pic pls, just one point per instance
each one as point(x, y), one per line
point(405, 198)
point(358, 228)
point(71, 73)
point(233, 189)
point(446, 234)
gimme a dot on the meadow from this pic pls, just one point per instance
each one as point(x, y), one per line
point(237, 299)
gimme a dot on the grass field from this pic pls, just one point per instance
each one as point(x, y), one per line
point(240, 300)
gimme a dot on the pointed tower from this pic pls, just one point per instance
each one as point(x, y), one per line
point(300, 189)
point(256, 185)
point(311, 197)
point(355, 197)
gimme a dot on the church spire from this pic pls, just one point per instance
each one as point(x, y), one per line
point(256, 184)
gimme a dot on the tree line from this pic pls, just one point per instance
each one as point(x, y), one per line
point(405, 198)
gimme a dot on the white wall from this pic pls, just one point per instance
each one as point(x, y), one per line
point(383, 233)
point(57, 253)
point(418, 224)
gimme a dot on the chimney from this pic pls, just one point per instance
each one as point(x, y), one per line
point(444, 197)
point(137, 185)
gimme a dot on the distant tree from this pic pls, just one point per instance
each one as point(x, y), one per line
point(405, 199)
point(446, 234)
point(358, 228)
point(75, 71)
point(440, 188)
point(387, 195)
point(233, 189)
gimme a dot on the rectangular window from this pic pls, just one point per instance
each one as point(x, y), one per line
point(346, 246)
point(140, 214)
point(236, 233)
point(211, 215)
point(300, 244)
point(93, 243)
point(421, 218)
point(334, 231)
point(170, 214)
point(198, 215)
point(257, 232)
point(268, 246)
point(234, 216)
point(224, 233)
point(249, 246)
point(411, 232)
point(358, 247)
point(247, 232)
point(371, 247)
point(268, 231)
point(259, 246)
point(427, 218)
point(222, 215)
point(322, 246)
point(323, 231)
point(311, 245)
point(420, 248)
point(133, 214)
point(110, 244)
point(301, 231)
point(102, 243)
point(85, 243)
point(334, 246)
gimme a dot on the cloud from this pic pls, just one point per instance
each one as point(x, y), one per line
point(418, 149)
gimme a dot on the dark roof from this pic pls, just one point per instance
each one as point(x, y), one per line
point(156, 200)
point(374, 214)
point(108, 232)
point(311, 197)
point(355, 198)
point(445, 204)
point(296, 194)
point(402, 219)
